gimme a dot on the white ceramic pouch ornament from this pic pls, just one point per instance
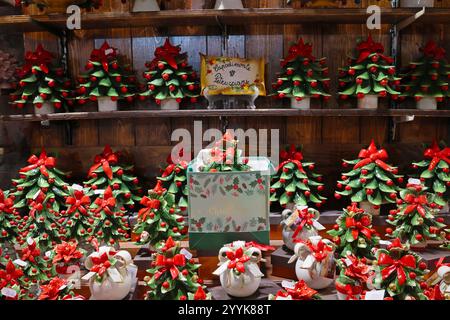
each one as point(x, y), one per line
point(444, 286)
point(315, 263)
point(238, 269)
point(116, 279)
point(299, 224)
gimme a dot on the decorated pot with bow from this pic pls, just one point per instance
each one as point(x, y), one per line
point(444, 275)
point(299, 224)
point(111, 274)
point(238, 269)
point(315, 263)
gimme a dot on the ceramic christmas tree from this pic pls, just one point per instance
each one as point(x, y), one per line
point(107, 171)
point(414, 219)
point(427, 79)
point(370, 74)
point(107, 80)
point(41, 174)
point(111, 225)
point(170, 78)
point(353, 276)
point(353, 233)
point(295, 181)
point(371, 181)
point(159, 218)
point(303, 76)
point(172, 274)
point(435, 174)
point(8, 65)
point(400, 272)
point(42, 83)
point(225, 156)
point(9, 222)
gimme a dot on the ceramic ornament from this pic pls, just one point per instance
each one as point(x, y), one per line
point(295, 291)
point(444, 285)
point(315, 264)
point(354, 274)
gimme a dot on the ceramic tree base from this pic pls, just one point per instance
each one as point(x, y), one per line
point(105, 104)
point(416, 3)
point(368, 102)
point(47, 108)
point(303, 104)
point(427, 103)
point(145, 6)
point(368, 207)
point(170, 104)
point(266, 288)
point(228, 5)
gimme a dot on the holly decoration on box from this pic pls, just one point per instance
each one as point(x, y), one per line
point(107, 171)
point(173, 273)
point(371, 178)
point(79, 220)
point(41, 175)
point(353, 276)
point(400, 272)
point(106, 77)
point(174, 179)
point(225, 156)
point(10, 281)
point(369, 72)
point(296, 291)
point(41, 81)
point(9, 220)
point(111, 225)
point(303, 76)
point(295, 181)
point(353, 233)
point(435, 173)
point(159, 218)
point(414, 219)
point(427, 77)
point(169, 76)
point(58, 289)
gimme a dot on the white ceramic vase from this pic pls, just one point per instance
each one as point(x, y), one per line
point(303, 104)
point(228, 5)
point(145, 6)
point(240, 286)
point(369, 101)
point(170, 104)
point(427, 103)
point(47, 108)
point(105, 104)
point(368, 207)
point(416, 3)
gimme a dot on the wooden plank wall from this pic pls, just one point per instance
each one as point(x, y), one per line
point(326, 140)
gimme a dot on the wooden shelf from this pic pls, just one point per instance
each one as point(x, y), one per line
point(131, 114)
point(209, 17)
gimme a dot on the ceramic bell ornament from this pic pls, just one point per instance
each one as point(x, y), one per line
point(299, 224)
point(111, 274)
point(315, 263)
point(238, 269)
point(444, 286)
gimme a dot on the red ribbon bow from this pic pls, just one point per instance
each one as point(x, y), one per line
point(416, 203)
point(237, 260)
point(106, 203)
point(37, 204)
point(358, 227)
point(101, 55)
point(366, 48)
point(171, 264)
point(432, 50)
point(40, 57)
point(6, 204)
point(150, 204)
point(349, 290)
point(440, 263)
point(437, 155)
point(319, 251)
point(372, 154)
point(299, 49)
point(43, 163)
point(10, 275)
point(166, 53)
point(78, 202)
point(306, 218)
point(105, 159)
point(293, 156)
point(391, 265)
point(101, 264)
point(30, 252)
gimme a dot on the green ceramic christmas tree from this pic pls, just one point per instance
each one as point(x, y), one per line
point(9, 221)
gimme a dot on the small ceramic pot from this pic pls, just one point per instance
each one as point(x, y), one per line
point(303, 104)
point(369, 101)
point(416, 3)
point(170, 104)
point(145, 6)
point(228, 5)
point(368, 207)
point(47, 108)
point(426, 103)
point(105, 104)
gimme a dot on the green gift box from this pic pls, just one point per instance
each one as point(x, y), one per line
point(229, 206)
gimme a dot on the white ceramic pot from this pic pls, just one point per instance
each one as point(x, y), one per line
point(303, 104)
point(444, 274)
point(368, 207)
point(287, 234)
point(426, 103)
point(369, 101)
point(47, 108)
point(105, 104)
point(145, 6)
point(228, 4)
point(416, 3)
point(240, 286)
point(170, 104)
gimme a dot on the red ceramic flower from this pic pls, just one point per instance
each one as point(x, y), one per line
point(66, 252)
point(52, 290)
point(10, 275)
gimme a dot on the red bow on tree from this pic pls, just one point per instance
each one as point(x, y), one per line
point(372, 154)
point(293, 156)
point(319, 251)
point(166, 53)
point(30, 252)
point(37, 204)
point(358, 227)
point(301, 291)
point(52, 289)
point(299, 49)
point(306, 219)
point(100, 264)
point(392, 265)
point(6, 204)
point(237, 260)
point(171, 264)
point(416, 203)
point(200, 294)
point(350, 290)
point(432, 50)
point(78, 203)
point(103, 55)
point(437, 155)
point(10, 275)
point(40, 57)
point(105, 160)
point(169, 244)
point(106, 203)
point(368, 47)
point(150, 205)
point(43, 163)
